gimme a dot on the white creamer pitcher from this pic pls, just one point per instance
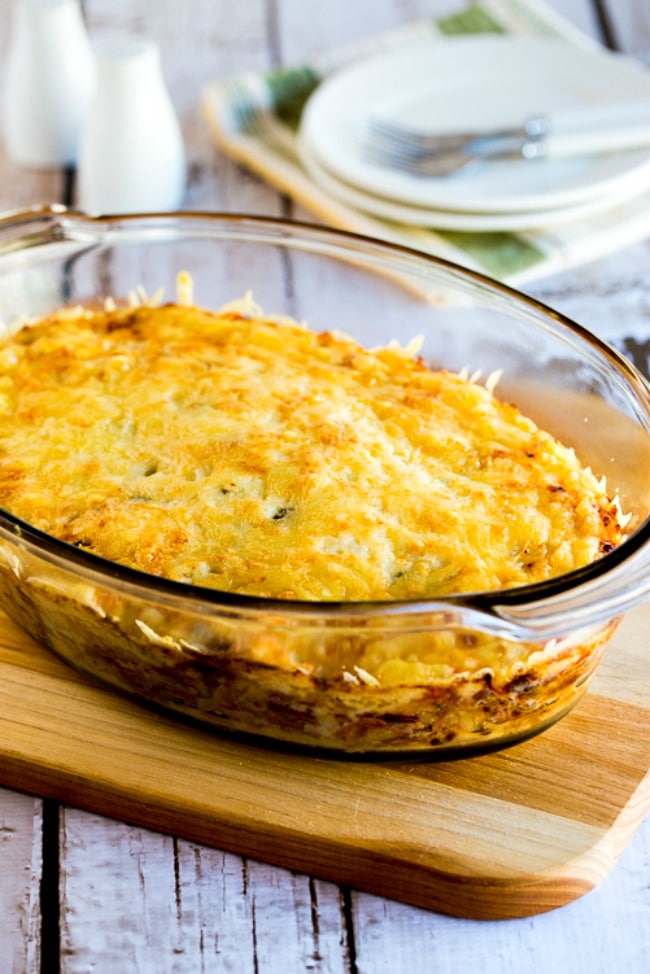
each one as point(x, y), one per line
point(132, 156)
point(48, 79)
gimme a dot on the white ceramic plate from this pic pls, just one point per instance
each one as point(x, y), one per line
point(440, 219)
point(469, 83)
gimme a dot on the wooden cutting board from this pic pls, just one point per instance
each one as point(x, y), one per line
point(505, 835)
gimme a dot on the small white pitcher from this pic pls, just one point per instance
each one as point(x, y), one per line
point(132, 157)
point(48, 79)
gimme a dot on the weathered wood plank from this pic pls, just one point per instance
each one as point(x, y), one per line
point(20, 874)
point(189, 907)
point(629, 26)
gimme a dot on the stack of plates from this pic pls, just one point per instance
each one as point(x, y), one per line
point(475, 83)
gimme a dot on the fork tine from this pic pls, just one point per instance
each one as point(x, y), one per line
point(394, 148)
point(421, 163)
point(382, 132)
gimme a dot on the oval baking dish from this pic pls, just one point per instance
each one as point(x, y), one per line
point(439, 677)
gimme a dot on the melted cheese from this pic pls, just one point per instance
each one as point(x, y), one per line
point(255, 456)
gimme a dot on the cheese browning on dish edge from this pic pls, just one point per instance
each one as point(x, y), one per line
point(255, 456)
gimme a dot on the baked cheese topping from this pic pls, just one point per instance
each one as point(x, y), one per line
point(253, 455)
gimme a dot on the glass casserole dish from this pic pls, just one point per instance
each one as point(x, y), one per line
point(469, 671)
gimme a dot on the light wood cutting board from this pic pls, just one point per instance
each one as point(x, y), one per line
point(505, 835)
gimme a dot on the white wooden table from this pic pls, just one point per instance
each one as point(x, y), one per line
point(81, 893)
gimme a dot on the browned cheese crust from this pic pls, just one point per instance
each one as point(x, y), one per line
point(258, 457)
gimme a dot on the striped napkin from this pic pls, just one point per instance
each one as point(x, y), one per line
point(255, 118)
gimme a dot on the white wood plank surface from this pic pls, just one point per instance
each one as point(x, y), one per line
point(629, 25)
point(20, 871)
point(135, 901)
point(190, 907)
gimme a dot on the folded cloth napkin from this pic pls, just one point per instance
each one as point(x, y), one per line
point(255, 118)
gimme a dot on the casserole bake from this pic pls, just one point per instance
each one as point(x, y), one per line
point(378, 555)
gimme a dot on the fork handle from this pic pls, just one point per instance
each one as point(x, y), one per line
point(599, 129)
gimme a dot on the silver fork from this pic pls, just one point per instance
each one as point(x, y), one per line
point(589, 130)
point(424, 154)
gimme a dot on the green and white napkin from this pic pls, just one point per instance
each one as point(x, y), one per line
point(255, 117)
